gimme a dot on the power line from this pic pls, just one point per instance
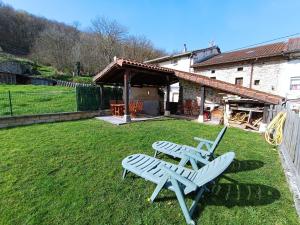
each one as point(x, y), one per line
point(252, 45)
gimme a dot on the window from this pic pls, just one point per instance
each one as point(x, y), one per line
point(213, 78)
point(295, 83)
point(213, 71)
point(256, 82)
point(239, 81)
point(240, 69)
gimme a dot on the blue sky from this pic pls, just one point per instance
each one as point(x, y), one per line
point(171, 23)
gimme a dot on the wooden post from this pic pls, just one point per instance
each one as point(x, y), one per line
point(202, 96)
point(167, 110)
point(126, 100)
point(264, 122)
point(101, 97)
point(180, 100)
point(10, 104)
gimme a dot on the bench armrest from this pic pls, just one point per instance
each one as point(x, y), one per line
point(196, 157)
point(179, 178)
point(197, 150)
point(203, 140)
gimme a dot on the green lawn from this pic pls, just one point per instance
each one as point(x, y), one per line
point(36, 99)
point(70, 173)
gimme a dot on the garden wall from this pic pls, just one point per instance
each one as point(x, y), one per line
point(46, 118)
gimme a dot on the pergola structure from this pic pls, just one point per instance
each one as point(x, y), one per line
point(130, 73)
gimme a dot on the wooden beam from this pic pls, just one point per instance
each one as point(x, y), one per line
point(265, 113)
point(101, 97)
point(167, 110)
point(126, 100)
point(180, 100)
point(202, 96)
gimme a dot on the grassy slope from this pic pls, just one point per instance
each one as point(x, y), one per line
point(70, 173)
point(31, 99)
point(45, 71)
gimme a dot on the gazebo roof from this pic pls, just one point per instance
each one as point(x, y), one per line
point(141, 74)
point(151, 75)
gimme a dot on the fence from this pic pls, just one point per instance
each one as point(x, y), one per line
point(15, 103)
point(290, 149)
point(71, 84)
point(39, 102)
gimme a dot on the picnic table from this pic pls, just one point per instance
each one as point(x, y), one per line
point(117, 109)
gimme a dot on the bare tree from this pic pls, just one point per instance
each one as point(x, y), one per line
point(55, 46)
point(140, 48)
point(110, 35)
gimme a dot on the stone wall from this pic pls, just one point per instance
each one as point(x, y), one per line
point(192, 91)
point(15, 67)
point(267, 73)
point(45, 118)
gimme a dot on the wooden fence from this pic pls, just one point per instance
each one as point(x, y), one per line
point(290, 148)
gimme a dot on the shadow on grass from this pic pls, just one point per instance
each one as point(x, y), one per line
point(244, 165)
point(234, 194)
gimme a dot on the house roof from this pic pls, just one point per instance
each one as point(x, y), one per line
point(148, 74)
point(169, 57)
point(263, 51)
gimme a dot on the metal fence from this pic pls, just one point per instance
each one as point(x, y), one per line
point(15, 103)
point(71, 84)
point(39, 102)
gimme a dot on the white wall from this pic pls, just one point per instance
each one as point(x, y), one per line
point(289, 69)
point(183, 64)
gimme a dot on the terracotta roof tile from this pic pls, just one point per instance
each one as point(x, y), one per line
point(293, 44)
point(245, 54)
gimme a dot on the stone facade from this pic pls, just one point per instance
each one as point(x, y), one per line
point(192, 91)
point(15, 67)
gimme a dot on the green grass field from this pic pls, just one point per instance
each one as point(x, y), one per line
point(30, 99)
point(70, 173)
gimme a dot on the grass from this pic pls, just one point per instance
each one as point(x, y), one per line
point(70, 173)
point(31, 99)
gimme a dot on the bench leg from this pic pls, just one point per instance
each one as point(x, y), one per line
point(158, 188)
point(124, 173)
point(181, 201)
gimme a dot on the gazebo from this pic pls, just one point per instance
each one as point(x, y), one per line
point(128, 73)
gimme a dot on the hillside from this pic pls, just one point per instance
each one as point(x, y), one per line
point(27, 66)
point(64, 46)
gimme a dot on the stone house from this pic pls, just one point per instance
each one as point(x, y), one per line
point(272, 68)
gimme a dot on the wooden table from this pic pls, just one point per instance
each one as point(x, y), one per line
point(117, 109)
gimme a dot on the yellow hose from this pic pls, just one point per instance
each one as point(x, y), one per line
point(274, 132)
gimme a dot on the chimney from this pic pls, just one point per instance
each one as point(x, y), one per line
point(211, 43)
point(184, 48)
